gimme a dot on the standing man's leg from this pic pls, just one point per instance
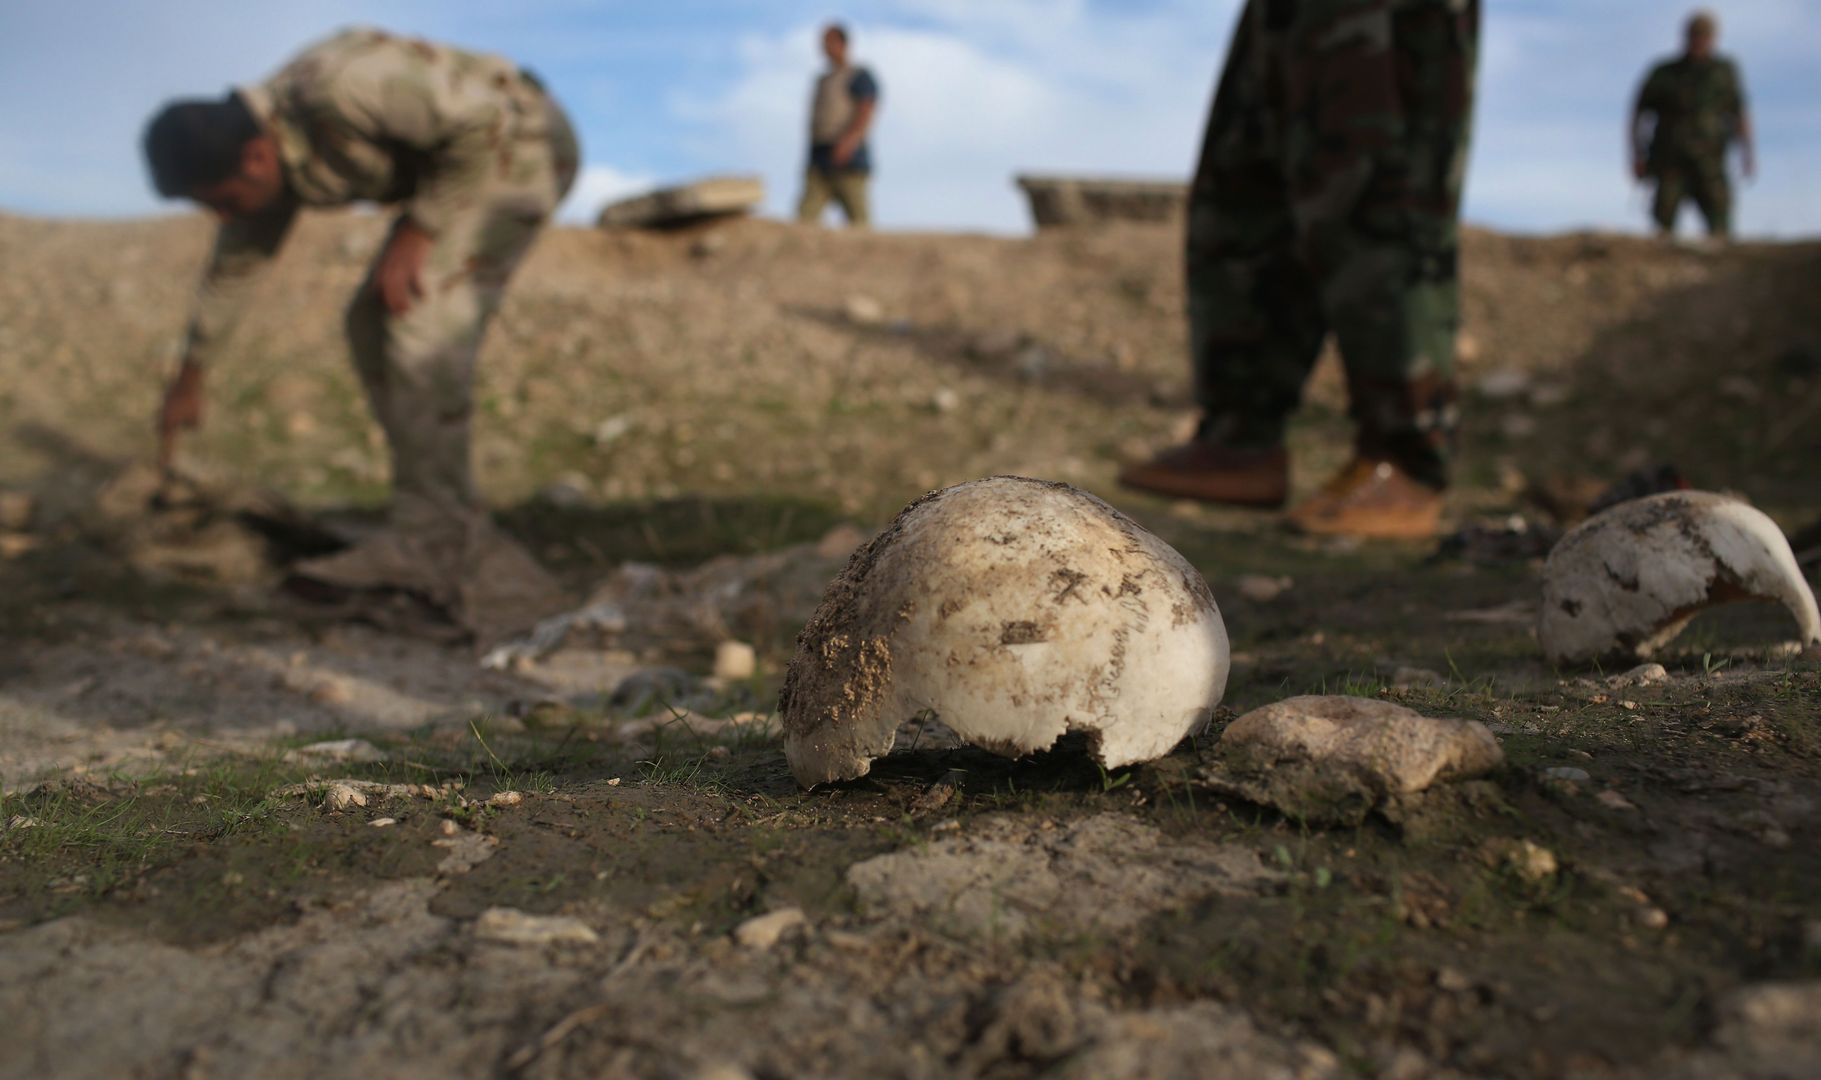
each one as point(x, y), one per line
point(1381, 226)
point(817, 191)
point(1666, 201)
point(852, 192)
point(1255, 325)
point(1711, 190)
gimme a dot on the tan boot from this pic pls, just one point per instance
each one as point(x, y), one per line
point(1210, 472)
point(1372, 499)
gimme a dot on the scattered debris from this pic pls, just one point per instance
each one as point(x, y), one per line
point(1628, 580)
point(1015, 610)
point(1335, 759)
point(1261, 589)
point(339, 751)
point(510, 926)
point(761, 932)
point(347, 794)
point(685, 204)
point(1530, 862)
point(733, 597)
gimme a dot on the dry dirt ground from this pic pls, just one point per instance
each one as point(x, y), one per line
point(533, 880)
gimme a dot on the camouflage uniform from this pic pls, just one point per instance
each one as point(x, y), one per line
point(1327, 198)
point(1697, 105)
point(475, 153)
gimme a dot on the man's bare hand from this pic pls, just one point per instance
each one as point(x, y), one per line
point(844, 151)
point(400, 275)
point(181, 411)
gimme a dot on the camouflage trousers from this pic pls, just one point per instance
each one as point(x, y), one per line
point(418, 367)
point(1702, 179)
point(1327, 199)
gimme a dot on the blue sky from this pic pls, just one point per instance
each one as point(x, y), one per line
point(974, 91)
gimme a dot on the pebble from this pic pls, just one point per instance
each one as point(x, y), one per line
point(383, 822)
point(735, 661)
point(945, 400)
point(502, 799)
point(342, 797)
point(764, 931)
point(1453, 981)
point(1566, 772)
point(1532, 862)
point(1653, 918)
point(864, 310)
point(1642, 675)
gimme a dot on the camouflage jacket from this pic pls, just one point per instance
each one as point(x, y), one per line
point(1697, 105)
point(366, 116)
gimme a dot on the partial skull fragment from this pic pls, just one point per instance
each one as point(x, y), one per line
point(1015, 610)
point(1625, 582)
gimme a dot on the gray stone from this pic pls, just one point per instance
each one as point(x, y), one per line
point(686, 204)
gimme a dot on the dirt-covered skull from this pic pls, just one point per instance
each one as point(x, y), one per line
point(1015, 610)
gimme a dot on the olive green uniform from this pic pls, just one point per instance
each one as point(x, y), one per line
point(1327, 199)
point(1698, 106)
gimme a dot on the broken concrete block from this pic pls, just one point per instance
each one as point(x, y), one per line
point(686, 204)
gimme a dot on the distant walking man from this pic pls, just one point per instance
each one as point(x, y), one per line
point(1327, 199)
point(476, 156)
point(840, 114)
point(1696, 107)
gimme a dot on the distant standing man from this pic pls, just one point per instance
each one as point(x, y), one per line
point(1327, 199)
point(1696, 105)
point(840, 114)
point(474, 154)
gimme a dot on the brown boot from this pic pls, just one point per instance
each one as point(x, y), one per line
point(1373, 499)
point(1211, 472)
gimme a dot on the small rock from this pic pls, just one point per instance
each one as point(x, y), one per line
point(763, 931)
point(1642, 675)
point(1612, 800)
point(1566, 772)
point(1034, 362)
point(1518, 426)
point(509, 926)
point(16, 511)
point(944, 400)
point(502, 799)
point(1467, 348)
point(1653, 918)
point(344, 751)
point(1336, 758)
point(613, 429)
point(1531, 862)
point(383, 822)
point(864, 310)
point(449, 827)
point(20, 821)
point(735, 661)
point(1453, 981)
point(1409, 678)
point(343, 797)
point(1261, 588)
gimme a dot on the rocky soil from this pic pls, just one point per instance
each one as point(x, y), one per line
point(241, 834)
